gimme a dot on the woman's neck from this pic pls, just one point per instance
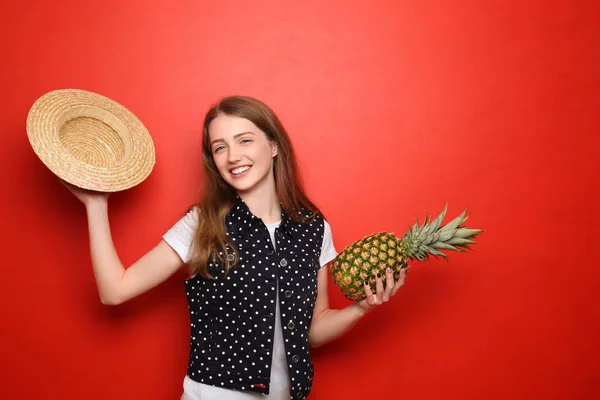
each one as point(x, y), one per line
point(264, 204)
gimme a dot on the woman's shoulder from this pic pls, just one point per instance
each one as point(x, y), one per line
point(193, 211)
point(311, 216)
point(189, 220)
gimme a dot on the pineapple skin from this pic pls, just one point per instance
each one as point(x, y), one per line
point(362, 260)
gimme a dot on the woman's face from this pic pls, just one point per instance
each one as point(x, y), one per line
point(242, 153)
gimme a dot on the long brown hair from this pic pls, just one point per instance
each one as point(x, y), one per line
point(210, 239)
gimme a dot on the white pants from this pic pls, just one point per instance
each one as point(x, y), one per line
point(193, 390)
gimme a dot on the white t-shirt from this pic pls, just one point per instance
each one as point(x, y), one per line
point(180, 238)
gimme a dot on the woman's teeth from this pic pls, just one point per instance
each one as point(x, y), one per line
point(239, 170)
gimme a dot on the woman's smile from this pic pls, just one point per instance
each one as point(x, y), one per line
point(238, 172)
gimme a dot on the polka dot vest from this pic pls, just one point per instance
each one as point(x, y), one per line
point(233, 316)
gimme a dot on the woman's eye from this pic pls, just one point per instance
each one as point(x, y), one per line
point(218, 149)
point(246, 141)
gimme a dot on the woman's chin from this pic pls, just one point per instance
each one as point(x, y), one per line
point(242, 187)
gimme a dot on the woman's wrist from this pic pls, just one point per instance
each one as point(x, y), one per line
point(363, 308)
point(96, 203)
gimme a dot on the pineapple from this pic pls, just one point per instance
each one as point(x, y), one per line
point(362, 260)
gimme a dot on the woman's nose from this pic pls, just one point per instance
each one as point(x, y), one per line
point(234, 155)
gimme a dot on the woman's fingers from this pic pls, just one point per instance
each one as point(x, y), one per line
point(389, 284)
point(382, 295)
point(400, 281)
point(370, 298)
point(379, 287)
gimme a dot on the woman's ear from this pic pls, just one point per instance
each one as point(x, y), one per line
point(273, 149)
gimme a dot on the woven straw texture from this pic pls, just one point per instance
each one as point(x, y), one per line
point(90, 140)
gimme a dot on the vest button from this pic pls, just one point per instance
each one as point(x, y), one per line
point(230, 257)
point(291, 325)
point(295, 358)
point(283, 262)
point(287, 294)
point(299, 395)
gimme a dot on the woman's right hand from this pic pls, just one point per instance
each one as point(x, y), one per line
point(87, 197)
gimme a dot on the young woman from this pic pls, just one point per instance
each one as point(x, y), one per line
point(257, 249)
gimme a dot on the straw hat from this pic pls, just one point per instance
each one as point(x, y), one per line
point(90, 140)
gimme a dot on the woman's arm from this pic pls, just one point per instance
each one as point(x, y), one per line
point(115, 283)
point(328, 324)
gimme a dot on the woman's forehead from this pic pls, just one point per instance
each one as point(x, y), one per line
point(226, 126)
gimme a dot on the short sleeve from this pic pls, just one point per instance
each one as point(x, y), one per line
point(328, 252)
point(181, 236)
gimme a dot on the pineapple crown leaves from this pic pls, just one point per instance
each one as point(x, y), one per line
point(420, 241)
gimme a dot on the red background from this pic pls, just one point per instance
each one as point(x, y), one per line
point(394, 108)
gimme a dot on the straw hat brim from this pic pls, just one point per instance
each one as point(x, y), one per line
point(90, 140)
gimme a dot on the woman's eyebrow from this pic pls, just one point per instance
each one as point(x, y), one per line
point(234, 136)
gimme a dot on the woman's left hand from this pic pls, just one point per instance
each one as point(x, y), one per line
point(382, 295)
